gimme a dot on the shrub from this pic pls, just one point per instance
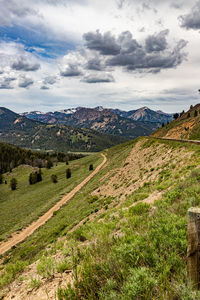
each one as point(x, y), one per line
point(35, 177)
point(49, 164)
point(139, 284)
point(46, 267)
point(34, 283)
point(54, 178)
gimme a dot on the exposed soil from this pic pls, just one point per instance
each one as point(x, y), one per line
point(142, 165)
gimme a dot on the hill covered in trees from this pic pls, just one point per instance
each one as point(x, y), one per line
point(12, 156)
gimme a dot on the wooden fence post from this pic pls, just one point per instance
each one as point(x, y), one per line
point(193, 250)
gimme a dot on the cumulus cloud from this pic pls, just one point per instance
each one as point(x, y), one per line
point(192, 19)
point(71, 70)
point(50, 80)
point(6, 81)
point(105, 43)
point(94, 64)
point(21, 64)
point(157, 42)
point(152, 56)
point(25, 82)
point(98, 78)
point(103, 53)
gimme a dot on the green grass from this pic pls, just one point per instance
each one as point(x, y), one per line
point(131, 252)
point(28, 202)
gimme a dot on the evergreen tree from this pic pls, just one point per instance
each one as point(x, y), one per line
point(176, 115)
point(68, 173)
point(1, 178)
point(91, 167)
point(195, 113)
point(30, 178)
point(188, 115)
point(13, 184)
point(39, 175)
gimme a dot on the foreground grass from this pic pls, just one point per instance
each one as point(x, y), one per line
point(19, 208)
point(131, 252)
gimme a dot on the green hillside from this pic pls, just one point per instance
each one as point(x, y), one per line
point(28, 202)
point(123, 236)
point(186, 126)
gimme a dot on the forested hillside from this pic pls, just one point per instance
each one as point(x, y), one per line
point(12, 156)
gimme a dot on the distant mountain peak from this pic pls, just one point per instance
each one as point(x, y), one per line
point(99, 108)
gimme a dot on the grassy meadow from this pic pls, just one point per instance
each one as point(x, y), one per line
point(19, 208)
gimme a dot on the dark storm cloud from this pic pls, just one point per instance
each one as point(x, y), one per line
point(25, 82)
point(152, 57)
point(105, 43)
point(157, 42)
point(22, 64)
point(192, 19)
point(98, 78)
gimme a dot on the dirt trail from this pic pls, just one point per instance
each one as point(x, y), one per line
point(19, 237)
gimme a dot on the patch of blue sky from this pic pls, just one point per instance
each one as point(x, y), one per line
point(36, 41)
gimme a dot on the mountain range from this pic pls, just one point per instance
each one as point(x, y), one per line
point(130, 124)
point(26, 133)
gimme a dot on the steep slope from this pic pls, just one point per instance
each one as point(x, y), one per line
point(21, 131)
point(187, 126)
point(104, 120)
point(122, 237)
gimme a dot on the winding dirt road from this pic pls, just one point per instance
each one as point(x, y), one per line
point(19, 237)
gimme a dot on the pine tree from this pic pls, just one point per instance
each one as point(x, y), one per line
point(1, 178)
point(39, 175)
point(68, 173)
point(13, 184)
point(91, 167)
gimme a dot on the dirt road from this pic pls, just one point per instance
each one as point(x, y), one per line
point(19, 237)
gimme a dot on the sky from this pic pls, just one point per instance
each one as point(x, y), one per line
point(126, 54)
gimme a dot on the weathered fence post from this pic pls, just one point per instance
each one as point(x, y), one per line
point(193, 251)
